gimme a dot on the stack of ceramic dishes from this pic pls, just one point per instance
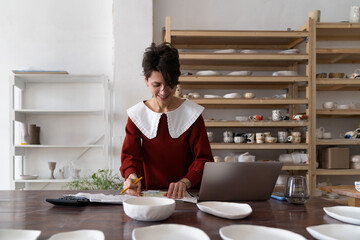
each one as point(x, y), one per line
point(240, 73)
point(248, 51)
point(232, 95)
point(289, 51)
point(225, 51)
point(211, 96)
point(285, 73)
point(208, 73)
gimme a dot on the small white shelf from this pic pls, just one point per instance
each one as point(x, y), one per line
point(44, 180)
point(39, 111)
point(59, 146)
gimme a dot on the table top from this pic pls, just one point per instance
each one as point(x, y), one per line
point(29, 210)
point(347, 190)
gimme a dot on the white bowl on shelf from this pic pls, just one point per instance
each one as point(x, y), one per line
point(232, 95)
point(248, 51)
point(225, 51)
point(208, 73)
point(149, 208)
point(211, 96)
point(240, 73)
point(29, 176)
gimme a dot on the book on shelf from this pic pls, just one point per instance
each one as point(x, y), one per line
point(39, 72)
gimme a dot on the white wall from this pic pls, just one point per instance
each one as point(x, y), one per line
point(76, 36)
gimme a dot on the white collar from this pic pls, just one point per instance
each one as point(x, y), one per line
point(179, 120)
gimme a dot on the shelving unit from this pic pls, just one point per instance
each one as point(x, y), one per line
point(192, 45)
point(341, 33)
point(70, 109)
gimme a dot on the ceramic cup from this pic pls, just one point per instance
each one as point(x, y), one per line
point(296, 134)
point(249, 95)
point(327, 135)
point(293, 139)
point(329, 105)
point(282, 136)
point(299, 117)
point(276, 115)
point(270, 139)
point(255, 117)
point(239, 139)
point(250, 138)
point(217, 159)
point(228, 137)
point(260, 138)
point(267, 134)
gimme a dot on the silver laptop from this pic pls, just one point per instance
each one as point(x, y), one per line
point(238, 181)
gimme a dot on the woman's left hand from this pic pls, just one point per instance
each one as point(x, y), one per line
point(176, 190)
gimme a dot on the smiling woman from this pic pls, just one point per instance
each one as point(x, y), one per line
point(166, 140)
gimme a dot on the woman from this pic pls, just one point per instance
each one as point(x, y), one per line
point(166, 140)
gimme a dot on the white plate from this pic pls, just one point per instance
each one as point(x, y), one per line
point(19, 234)
point(240, 73)
point(207, 73)
point(248, 51)
point(335, 231)
point(254, 232)
point(212, 96)
point(28, 177)
point(169, 231)
point(225, 51)
point(232, 95)
point(344, 213)
point(79, 235)
point(290, 51)
point(226, 209)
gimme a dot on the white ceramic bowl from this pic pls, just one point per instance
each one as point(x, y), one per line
point(232, 95)
point(240, 73)
point(343, 106)
point(357, 185)
point(149, 208)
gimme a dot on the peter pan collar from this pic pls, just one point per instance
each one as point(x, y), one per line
point(179, 120)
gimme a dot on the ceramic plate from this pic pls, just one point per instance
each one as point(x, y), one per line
point(335, 231)
point(344, 213)
point(240, 73)
point(225, 51)
point(232, 95)
point(248, 51)
point(19, 234)
point(207, 73)
point(28, 177)
point(169, 231)
point(79, 235)
point(254, 232)
point(290, 51)
point(212, 96)
point(226, 209)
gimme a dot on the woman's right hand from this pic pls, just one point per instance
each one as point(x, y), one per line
point(135, 189)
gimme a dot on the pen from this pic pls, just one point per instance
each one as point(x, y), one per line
point(133, 183)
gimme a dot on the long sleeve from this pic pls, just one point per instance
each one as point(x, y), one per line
point(131, 154)
point(201, 150)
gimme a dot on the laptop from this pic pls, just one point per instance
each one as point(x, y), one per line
point(238, 181)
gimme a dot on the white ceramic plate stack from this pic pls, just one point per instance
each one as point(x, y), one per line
point(252, 232)
point(225, 51)
point(232, 95)
point(211, 96)
point(19, 234)
point(227, 210)
point(344, 213)
point(169, 231)
point(335, 231)
point(248, 51)
point(240, 73)
point(29, 177)
point(208, 73)
point(290, 51)
point(78, 235)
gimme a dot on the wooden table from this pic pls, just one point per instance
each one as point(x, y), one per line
point(28, 210)
point(349, 191)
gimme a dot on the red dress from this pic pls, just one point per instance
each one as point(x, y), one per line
point(163, 159)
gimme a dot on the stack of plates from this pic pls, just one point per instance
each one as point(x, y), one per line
point(225, 51)
point(248, 51)
point(28, 177)
point(289, 51)
point(240, 73)
point(208, 73)
point(211, 96)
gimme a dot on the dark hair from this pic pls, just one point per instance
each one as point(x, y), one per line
point(163, 58)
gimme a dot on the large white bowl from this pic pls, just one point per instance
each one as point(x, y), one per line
point(149, 208)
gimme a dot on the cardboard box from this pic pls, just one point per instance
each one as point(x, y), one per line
point(334, 157)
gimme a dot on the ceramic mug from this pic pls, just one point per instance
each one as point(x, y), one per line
point(270, 139)
point(329, 105)
point(282, 136)
point(210, 136)
point(259, 137)
point(299, 117)
point(327, 135)
point(267, 134)
point(250, 138)
point(255, 117)
point(296, 134)
point(293, 139)
point(239, 139)
point(276, 115)
point(217, 159)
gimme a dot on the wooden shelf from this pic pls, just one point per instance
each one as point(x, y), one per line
point(342, 141)
point(263, 123)
point(217, 39)
point(337, 55)
point(338, 112)
point(240, 82)
point(247, 103)
point(246, 146)
point(337, 84)
point(337, 31)
point(228, 61)
point(337, 172)
point(287, 167)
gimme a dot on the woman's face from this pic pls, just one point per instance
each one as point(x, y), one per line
point(158, 89)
